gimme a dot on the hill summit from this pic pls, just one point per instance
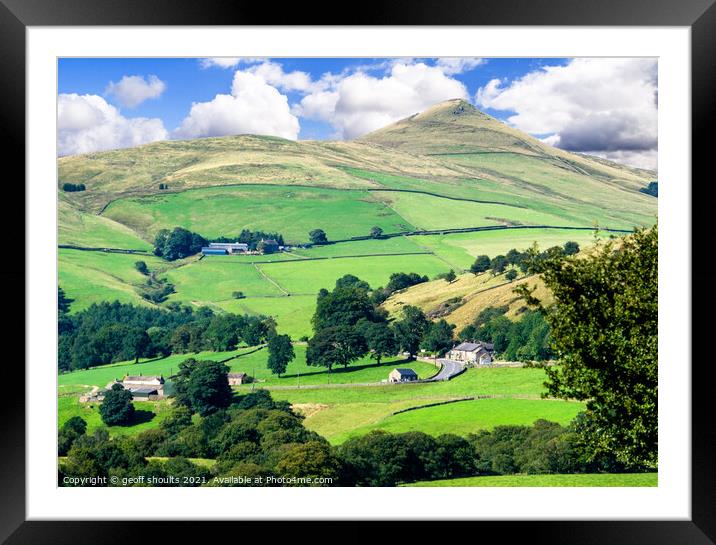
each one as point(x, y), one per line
point(454, 126)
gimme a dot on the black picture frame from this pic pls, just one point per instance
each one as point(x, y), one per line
point(699, 15)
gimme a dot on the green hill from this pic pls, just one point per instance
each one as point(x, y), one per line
point(450, 168)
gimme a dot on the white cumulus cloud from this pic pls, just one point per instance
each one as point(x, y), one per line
point(360, 103)
point(458, 65)
point(598, 105)
point(131, 91)
point(87, 123)
point(227, 62)
point(253, 107)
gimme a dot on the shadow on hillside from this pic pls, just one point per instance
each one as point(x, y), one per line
point(350, 369)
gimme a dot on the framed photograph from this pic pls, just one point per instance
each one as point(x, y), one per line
point(405, 267)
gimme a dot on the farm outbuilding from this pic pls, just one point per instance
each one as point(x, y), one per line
point(208, 250)
point(236, 379)
point(402, 375)
point(230, 247)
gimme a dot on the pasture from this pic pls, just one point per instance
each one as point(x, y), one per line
point(337, 412)
point(77, 228)
point(586, 479)
point(430, 212)
point(466, 417)
point(291, 211)
point(308, 277)
point(93, 277)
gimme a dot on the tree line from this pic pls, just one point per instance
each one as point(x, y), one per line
point(180, 243)
point(110, 332)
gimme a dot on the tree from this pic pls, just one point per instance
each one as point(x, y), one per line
point(338, 345)
point(498, 264)
point(72, 429)
point(178, 243)
point(438, 337)
point(238, 295)
point(117, 408)
point(380, 339)
point(481, 264)
point(450, 276)
point(63, 302)
point(141, 266)
point(203, 386)
point(136, 343)
point(511, 275)
point(280, 353)
point(314, 460)
point(604, 328)
point(410, 330)
point(344, 306)
point(376, 232)
point(222, 334)
point(571, 248)
point(318, 236)
point(349, 280)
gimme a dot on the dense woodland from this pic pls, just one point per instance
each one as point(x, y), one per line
point(110, 332)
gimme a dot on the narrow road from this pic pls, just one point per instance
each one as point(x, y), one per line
point(450, 369)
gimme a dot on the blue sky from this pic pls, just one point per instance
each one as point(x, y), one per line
point(107, 103)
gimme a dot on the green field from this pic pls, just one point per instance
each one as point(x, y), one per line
point(471, 416)
point(589, 479)
point(291, 211)
point(391, 245)
point(92, 277)
point(462, 248)
point(77, 228)
point(308, 277)
point(212, 280)
point(429, 212)
point(149, 415)
point(337, 412)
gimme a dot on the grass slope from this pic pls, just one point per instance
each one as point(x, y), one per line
point(291, 211)
point(77, 228)
point(335, 412)
point(467, 417)
point(92, 277)
point(590, 479)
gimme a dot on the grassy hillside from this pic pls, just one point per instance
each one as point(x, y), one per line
point(477, 292)
point(292, 212)
point(589, 479)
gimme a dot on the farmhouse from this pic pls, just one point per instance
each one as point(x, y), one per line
point(472, 353)
point(143, 388)
point(268, 246)
point(230, 247)
point(402, 375)
point(237, 378)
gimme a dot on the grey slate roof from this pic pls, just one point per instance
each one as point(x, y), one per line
point(406, 372)
point(468, 347)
